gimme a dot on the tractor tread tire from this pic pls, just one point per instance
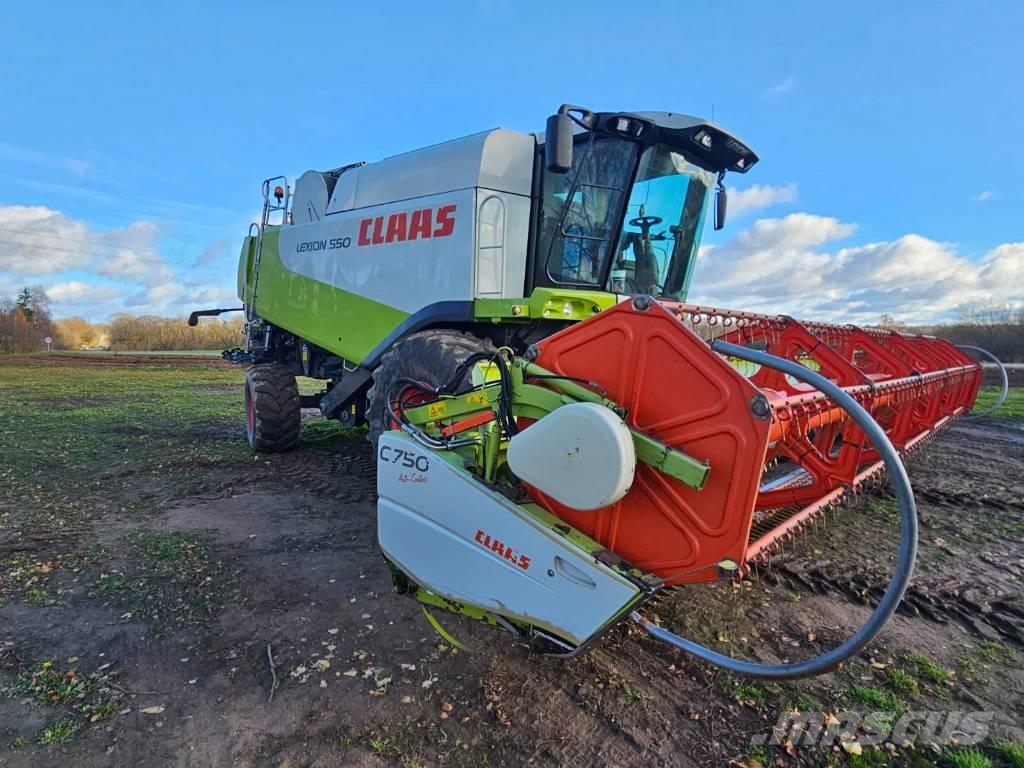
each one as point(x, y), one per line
point(431, 356)
point(272, 394)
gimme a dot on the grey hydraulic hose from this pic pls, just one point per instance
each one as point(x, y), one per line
point(1002, 373)
point(904, 560)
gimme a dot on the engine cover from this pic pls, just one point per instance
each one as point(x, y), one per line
point(456, 538)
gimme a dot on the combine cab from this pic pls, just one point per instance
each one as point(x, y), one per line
point(559, 435)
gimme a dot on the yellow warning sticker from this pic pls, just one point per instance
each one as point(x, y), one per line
point(437, 410)
point(477, 398)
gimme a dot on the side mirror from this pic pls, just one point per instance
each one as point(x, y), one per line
point(558, 135)
point(721, 204)
point(558, 143)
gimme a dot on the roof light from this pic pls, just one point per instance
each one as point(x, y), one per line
point(703, 138)
point(741, 163)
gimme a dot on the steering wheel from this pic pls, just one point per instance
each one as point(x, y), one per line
point(635, 289)
point(645, 222)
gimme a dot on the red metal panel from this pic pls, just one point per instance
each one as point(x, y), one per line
point(680, 392)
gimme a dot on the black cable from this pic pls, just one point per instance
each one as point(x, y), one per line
point(829, 660)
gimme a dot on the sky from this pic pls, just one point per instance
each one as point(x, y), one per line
point(134, 136)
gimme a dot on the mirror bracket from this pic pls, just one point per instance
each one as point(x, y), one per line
point(721, 202)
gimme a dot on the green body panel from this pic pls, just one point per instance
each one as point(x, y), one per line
point(350, 325)
point(339, 321)
point(545, 304)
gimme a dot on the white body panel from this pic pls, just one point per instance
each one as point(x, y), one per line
point(466, 255)
point(456, 538)
point(311, 196)
point(500, 160)
point(406, 273)
point(581, 455)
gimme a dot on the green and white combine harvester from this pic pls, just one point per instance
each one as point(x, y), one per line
point(559, 437)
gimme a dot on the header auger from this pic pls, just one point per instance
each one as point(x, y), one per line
point(559, 436)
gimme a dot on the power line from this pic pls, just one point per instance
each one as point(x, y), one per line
point(31, 248)
point(99, 243)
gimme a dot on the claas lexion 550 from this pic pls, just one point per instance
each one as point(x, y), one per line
point(559, 436)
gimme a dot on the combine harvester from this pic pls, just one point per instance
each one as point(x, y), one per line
point(559, 437)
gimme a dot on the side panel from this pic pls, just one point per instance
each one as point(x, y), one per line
point(245, 260)
point(458, 539)
point(337, 320)
point(405, 255)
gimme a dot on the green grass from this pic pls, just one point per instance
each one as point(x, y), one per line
point(109, 585)
point(381, 745)
point(169, 578)
point(75, 437)
point(967, 758)
point(50, 684)
point(93, 697)
point(871, 757)
point(904, 683)
point(1011, 752)
point(876, 698)
point(60, 732)
point(929, 670)
point(758, 753)
point(1013, 408)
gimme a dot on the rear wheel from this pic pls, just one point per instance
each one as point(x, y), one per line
point(273, 413)
point(428, 356)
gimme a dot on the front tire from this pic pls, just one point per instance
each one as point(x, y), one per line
point(273, 411)
point(429, 356)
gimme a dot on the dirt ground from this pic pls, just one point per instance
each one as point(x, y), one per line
point(166, 598)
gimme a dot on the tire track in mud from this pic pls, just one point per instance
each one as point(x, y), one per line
point(980, 595)
point(1000, 618)
point(970, 494)
point(346, 471)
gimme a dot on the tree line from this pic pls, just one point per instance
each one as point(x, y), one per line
point(999, 328)
point(26, 323)
point(149, 332)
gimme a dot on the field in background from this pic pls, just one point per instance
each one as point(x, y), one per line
point(148, 561)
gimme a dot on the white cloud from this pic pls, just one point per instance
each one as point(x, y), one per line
point(77, 292)
point(85, 271)
point(129, 266)
point(983, 197)
point(781, 88)
point(37, 241)
point(1002, 269)
point(759, 196)
point(791, 265)
point(212, 297)
point(213, 252)
point(157, 298)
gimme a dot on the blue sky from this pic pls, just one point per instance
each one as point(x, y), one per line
point(133, 137)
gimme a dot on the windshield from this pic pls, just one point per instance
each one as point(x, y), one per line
point(661, 229)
